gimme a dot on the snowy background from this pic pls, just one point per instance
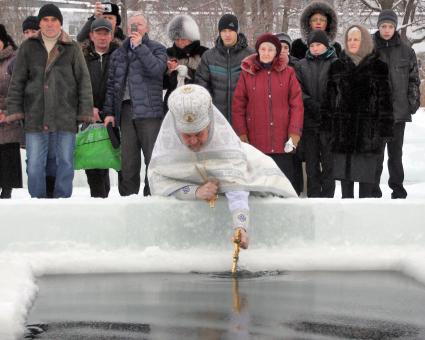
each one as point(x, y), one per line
point(136, 234)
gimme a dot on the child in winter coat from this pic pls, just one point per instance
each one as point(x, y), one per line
point(313, 75)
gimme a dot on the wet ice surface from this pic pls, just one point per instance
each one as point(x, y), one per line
point(266, 305)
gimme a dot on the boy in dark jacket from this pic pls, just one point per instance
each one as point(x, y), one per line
point(313, 75)
point(404, 80)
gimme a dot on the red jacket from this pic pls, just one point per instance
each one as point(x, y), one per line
point(267, 104)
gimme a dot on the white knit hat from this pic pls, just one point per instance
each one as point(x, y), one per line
point(191, 107)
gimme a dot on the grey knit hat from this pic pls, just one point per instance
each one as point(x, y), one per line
point(388, 15)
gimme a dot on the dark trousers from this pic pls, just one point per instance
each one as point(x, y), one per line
point(395, 164)
point(10, 166)
point(319, 162)
point(136, 135)
point(298, 173)
point(365, 189)
point(98, 180)
point(286, 164)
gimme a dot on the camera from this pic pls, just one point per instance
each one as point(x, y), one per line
point(107, 7)
point(133, 28)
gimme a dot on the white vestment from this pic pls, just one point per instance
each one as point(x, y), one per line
point(237, 166)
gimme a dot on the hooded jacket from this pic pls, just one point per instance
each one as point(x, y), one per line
point(404, 75)
point(267, 104)
point(51, 91)
point(219, 72)
point(299, 46)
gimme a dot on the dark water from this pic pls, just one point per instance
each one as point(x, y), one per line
point(263, 305)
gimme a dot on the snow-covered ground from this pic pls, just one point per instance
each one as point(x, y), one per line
point(136, 234)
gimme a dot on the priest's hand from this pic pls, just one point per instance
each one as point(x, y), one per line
point(244, 241)
point(207, 191)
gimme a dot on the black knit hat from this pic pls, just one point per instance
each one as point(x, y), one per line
point(389, 16)
point(30, 23)
point(228, 21)
point(115, 10)
point(318, 36)
point(50, 10)
point(284, 38)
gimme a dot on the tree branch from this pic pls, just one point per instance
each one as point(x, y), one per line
point(367, 4)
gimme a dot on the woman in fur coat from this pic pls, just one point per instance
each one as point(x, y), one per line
point(184, 56)
point(358, 112)
point(11, 133)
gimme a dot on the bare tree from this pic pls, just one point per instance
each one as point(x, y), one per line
point(13, 13)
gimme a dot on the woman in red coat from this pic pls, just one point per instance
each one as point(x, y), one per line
point(267, 108)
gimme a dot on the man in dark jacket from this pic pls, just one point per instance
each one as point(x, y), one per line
point(404, 80)
point(51, 90)
point(108, 11)
point(97, 54)
point(221, 66)
point(134, 100)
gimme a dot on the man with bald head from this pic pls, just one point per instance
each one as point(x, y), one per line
point(134, 100)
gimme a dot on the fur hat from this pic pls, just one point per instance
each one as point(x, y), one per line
point(284, 38)
point(270, 38)
point(183, 27)
point(322, 8)
point(115, 11)
point(191, 107)
point(6, 38)
point(50, 10)
point(30, 23)
point(228, 21)
point(318, 37)
point(387, 15)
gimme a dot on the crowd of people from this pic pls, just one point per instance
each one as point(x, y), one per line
point(334, 106)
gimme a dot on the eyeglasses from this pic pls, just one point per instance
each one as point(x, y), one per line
point(314, 20)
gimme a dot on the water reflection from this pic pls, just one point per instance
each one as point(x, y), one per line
point(240, 318)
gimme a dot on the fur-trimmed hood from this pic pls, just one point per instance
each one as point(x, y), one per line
point(183, 27)
point(251, 64)
point(323, 8)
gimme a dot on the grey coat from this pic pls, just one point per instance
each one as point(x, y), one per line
point(9, 132)
point(52, 92)
point(219, 72)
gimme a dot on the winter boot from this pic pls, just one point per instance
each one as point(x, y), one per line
point(6, 193)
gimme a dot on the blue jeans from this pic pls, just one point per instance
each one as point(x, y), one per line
point(59, 146)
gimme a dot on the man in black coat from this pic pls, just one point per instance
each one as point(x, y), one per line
point(404, 80)
point(97, 53)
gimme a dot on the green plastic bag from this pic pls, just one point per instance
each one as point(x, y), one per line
point(93, 150)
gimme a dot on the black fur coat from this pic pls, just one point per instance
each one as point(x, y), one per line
point(357, 110)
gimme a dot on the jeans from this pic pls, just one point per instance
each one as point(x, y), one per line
point(39, 146)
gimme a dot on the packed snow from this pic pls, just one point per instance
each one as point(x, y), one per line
point(136, 234)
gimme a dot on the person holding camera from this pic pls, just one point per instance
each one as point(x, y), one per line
point(134, 100)
point(108, 11)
